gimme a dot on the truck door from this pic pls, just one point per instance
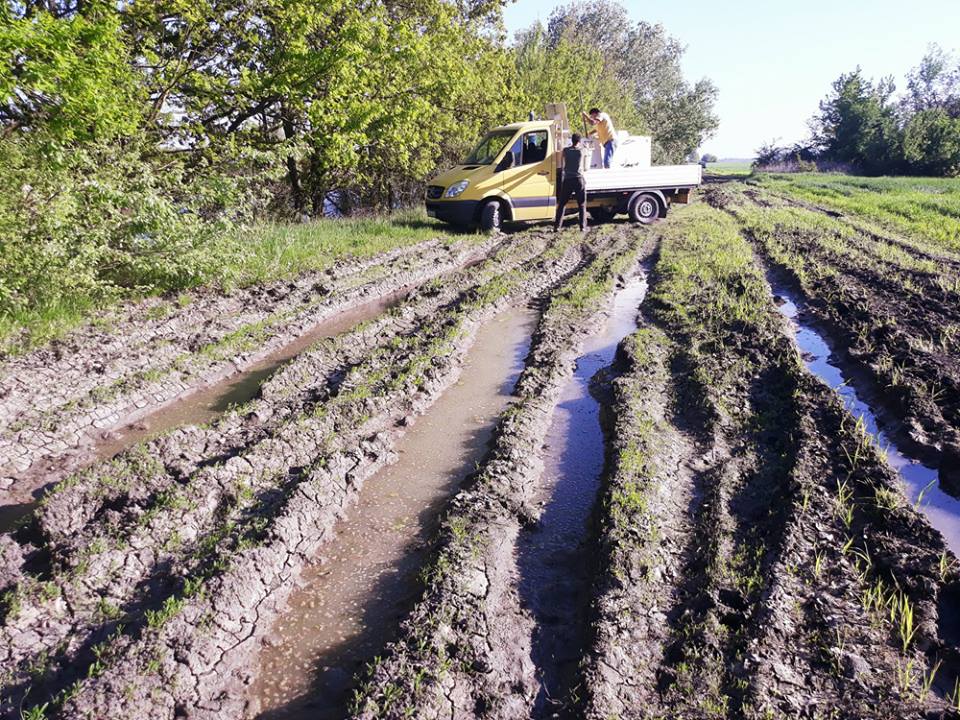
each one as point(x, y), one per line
point(530, 182)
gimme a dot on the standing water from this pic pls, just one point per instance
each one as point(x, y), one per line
point(200, 406)
point(920, 481)
point(351, 602)
point(553, 559)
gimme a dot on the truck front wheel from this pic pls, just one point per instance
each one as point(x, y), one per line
point(491, 216)
point(644, 208)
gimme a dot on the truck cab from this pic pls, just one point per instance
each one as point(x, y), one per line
point(512, 176)
point(513, 167)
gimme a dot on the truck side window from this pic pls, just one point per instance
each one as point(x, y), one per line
point(517, 150)
point(534, 147)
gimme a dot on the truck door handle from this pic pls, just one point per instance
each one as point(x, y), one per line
point(545, 172)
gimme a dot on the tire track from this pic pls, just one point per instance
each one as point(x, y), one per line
point(465, 649)
point(59, 403)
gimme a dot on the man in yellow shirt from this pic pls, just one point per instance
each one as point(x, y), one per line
point(603, 127)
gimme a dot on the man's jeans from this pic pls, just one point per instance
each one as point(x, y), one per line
point(607, 153)
point(572, 187)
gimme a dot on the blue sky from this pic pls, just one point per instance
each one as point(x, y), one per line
point(774, 60)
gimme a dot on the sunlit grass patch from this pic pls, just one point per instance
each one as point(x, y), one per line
point(271, 251)
point(926, 209)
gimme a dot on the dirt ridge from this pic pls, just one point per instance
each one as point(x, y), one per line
point(465, 649)
point(59, 402)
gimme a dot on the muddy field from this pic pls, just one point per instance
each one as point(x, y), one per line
point(695, 470)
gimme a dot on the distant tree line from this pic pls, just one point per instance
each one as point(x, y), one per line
point(863, 125)
point(134, 135)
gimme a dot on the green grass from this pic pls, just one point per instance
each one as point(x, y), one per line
point(729, 168)
point(278, 250)
point(708, 281)
point(926, 209)
point(257, 254)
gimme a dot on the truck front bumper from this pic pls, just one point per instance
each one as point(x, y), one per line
point(455, 212)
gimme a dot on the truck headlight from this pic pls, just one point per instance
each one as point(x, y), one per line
point(457, 188)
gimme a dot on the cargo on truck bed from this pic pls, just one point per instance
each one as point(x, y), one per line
point(513, 175)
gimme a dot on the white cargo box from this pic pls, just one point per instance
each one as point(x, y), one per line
point(638, 178)
point(631, 151)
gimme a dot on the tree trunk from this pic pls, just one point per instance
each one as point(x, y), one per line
point(293, 172)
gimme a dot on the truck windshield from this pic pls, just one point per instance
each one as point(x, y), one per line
point(488, 149)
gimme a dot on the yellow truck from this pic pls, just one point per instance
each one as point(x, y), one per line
point(512, 175)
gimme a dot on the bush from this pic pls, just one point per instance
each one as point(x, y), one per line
point(931, 143)
point(772, 158)
point(84, 225)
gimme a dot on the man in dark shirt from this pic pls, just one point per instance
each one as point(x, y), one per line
point(572, 184)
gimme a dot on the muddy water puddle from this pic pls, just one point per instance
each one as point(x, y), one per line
point(352, 601)
point(920, 482)
point(206, 404)
point(553, 559)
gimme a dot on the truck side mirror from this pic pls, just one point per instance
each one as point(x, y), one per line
point(506, 163)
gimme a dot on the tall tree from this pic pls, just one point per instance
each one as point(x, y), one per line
point(857, 124)
point(934, 84)
point(646, 62)
point(569, 71)
point(931, 143)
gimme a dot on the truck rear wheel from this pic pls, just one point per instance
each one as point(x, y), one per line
point(644, 208)
point(491, 216)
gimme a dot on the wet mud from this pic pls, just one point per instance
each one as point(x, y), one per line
point(59, 403)
point(679, 513)
point(351, 600)
point(169, 563)
point(920, 482)
point(554, 555)
point(466, 648)
point(892, 307)
point(196, 408)
point(753, 538)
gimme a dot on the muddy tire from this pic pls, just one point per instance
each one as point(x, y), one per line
point(644, 208)
point(602, 214)
point(491, 217)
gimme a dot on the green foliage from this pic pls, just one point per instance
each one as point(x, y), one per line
point(645, 63)
point(861, 126)
point(931, 143)
point(857, 124)
point(71, 76)
point(93, 222)
point(567, 71)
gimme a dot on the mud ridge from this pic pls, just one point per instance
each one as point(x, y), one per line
point(892, 343)
point(58, 403)
point(465, 649)
point(193, 653)
point(645, 521)
point(168, 528)
point(773, 577)
point(312, 377)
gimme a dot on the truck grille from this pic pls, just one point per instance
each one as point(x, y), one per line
point(434, 192)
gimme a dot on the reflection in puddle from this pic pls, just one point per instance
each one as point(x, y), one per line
point(352, 602)
point(920, 481)
point(552, 558)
